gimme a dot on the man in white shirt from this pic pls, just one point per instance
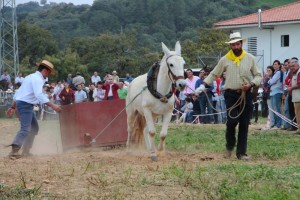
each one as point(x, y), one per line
point(29, 94)
point(80, 95)
point(19, 78)
point(95, 78)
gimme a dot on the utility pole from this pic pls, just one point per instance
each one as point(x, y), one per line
point(9, 54)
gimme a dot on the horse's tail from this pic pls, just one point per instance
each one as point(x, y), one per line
point(139, 124)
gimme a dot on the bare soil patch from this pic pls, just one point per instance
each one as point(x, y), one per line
point(95, 173)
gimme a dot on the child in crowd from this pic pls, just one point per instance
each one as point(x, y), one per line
point(187, 108)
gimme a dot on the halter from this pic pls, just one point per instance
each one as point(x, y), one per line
point(174, 77)
point(152, 81)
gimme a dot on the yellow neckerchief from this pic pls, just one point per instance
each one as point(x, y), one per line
point(67, 89)
point(236, 59)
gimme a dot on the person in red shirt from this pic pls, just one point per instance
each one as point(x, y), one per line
point(67, 95)
point(111, 89)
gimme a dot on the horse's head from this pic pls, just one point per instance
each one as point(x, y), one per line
point(175, 65)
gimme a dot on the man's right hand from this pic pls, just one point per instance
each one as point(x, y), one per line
point(57, 108)
point(10, 112)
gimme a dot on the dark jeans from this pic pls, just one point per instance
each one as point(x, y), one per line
point(203, 101)
point(231, 98)
point(189, 116)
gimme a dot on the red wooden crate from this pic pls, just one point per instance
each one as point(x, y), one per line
point(92, 117)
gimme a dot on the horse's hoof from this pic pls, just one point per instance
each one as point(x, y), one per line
point(154, 158)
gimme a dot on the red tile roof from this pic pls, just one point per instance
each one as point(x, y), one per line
point(285, 13)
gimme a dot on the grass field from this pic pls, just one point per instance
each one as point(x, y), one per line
point(273, 173)
point(192, 168)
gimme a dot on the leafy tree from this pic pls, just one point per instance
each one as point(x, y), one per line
point(35, 43)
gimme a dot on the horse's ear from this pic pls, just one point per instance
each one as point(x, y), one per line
point(165, 49)
point(178, 48)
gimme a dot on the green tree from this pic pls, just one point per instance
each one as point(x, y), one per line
point(34, 43)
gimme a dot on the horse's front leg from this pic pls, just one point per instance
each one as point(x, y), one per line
point(151, 128)
point(164, 131)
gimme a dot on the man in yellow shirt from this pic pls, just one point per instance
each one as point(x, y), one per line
point(242, 73)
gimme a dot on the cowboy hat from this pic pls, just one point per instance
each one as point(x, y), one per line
point(235, 37)
point(48, 65)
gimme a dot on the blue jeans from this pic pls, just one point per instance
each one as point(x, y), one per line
point(231, 98)
point(276, 105)
point(203, 101)
point(29, 125)
point(271, 114)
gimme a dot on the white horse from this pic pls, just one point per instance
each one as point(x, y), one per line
point(151, 95)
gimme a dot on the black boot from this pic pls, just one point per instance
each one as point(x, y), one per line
point(15, 151)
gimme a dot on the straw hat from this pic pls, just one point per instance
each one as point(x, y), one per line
point(235, 37)
point(48, 65)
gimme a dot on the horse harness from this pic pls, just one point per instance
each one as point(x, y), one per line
point(152, 81)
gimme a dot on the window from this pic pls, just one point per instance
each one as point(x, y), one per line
point(285, 40)
point(252, 45)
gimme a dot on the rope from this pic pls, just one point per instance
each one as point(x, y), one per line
point(284, 118)
point(241, 101)
point(95, 139)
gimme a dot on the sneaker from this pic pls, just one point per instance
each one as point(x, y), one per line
point(275, 128)
point(244, 157)
point(228, 154)
point(283, 128)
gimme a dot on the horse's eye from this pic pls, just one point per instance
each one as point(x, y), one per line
point(171, 65)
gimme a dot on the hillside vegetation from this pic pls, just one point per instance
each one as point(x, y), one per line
point(124, 35)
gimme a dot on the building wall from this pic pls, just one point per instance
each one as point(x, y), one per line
point(269, 43)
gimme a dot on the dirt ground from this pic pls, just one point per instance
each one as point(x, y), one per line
point(92, 173)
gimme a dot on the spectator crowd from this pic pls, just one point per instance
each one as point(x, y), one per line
point(278, 100)
point(70, 90)
point(279, 97)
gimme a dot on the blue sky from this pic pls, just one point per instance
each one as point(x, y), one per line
point(76, 2)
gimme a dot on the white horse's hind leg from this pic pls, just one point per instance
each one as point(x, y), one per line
point(164, 131)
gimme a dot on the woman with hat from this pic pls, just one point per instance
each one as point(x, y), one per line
point(29, 94)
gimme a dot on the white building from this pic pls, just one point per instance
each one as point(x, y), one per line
point(272, 34)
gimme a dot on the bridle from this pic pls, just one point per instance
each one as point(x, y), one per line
point(171, 75)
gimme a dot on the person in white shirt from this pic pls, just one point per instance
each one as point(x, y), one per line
point(19, 78)
point(98, 93)
point(5, 76)
point(95, 78)
point(29, 94)
point(80, 95)
point(57, 89)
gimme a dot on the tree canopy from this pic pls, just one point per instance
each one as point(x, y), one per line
point(122, 35)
